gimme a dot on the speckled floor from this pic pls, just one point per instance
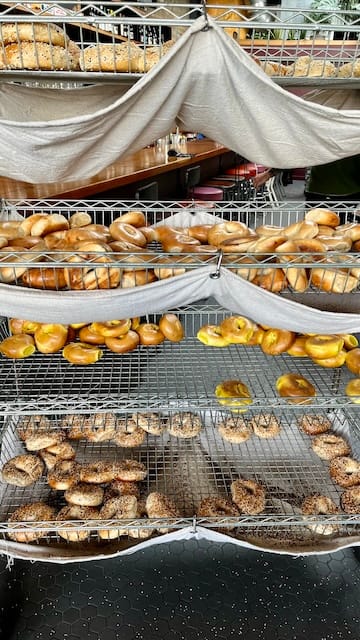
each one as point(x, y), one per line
point(185, 591)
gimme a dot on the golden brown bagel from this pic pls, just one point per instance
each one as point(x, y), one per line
point(21, 345)
point(323, 216)
point(44, 278)
point(276, 341)
point(122, 344)
point(237, 329)
point(296, 388)
point(86, 334)
point(134, 218)
point(224, 231)
point(323, 346)
point(271, 279)
point(150, 334)
point(303, 229)
point(112, 328)
point(124, 231)
point(81, 353)
point(50, 338)
point(171, 326)
point(332, 280)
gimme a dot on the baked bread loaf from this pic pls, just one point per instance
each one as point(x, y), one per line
point(122, 57)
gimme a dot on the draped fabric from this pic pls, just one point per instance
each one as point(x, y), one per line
point(205, 83)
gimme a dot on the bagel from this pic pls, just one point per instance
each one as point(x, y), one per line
point(150, 334)
point(237, 329)
point(93, 276)
point(32, 32)
point(118, 508)
point(303, 229)
point(81, 353)
point(11, 229)
point(127, 232)
point(44, 278)
point(34, 513)
point(22, 470)
point(10, 255)
point(75, 512)
point(159, 506)
point(41, 55)
point(79, 219)
point(332, 280)
point(123, 58)
point(341, 242)
point(269, 230)
point(136, 278)
point(323, 216)
point(272, 279)
point(225, 231)
point(200, 232)
point(111, 328)
point(48, 223)
point(123, 344)
point(134, 218)
point(296, 388)
point(170, 325)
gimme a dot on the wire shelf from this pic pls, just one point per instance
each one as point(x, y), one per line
point(332, 271)
point(187, 471)
point(277, 36)
point(172, 376)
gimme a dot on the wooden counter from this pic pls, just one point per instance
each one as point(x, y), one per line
point(123, 177)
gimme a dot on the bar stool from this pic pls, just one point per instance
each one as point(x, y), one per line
point(192, 179)
point(207, 193)
point(239, 170)
point(228, 187)
point(148, 192)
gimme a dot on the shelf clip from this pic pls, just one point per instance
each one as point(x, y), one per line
point(206, 26)
point(193, 530)
point(216, 274)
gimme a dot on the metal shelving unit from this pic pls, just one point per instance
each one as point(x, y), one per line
point(182, 377)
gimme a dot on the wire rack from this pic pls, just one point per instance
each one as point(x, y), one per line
point(188, 471)
point(172, 376)
point(16, 265)
point(277, 36)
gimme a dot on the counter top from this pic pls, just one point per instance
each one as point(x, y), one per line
point(142, 165)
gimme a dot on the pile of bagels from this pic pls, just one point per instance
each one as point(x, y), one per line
point(316, 252)
point(83, 344)
point(45, 46)
point(309, 67)
point(324, 350)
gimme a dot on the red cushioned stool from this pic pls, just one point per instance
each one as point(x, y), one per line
point(207, 193)
point(239, 170)
point(228, 187)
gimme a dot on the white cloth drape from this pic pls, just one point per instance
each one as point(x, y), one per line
point(206, 83)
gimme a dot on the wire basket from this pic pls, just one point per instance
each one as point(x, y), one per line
point(299, 46)
point(188, 471)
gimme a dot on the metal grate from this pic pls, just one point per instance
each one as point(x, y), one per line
point(189, 470)
point(178, 376)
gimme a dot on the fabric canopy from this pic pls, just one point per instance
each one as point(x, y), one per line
point(205, 83)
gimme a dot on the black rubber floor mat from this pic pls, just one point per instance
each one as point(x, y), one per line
point(184, 591)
